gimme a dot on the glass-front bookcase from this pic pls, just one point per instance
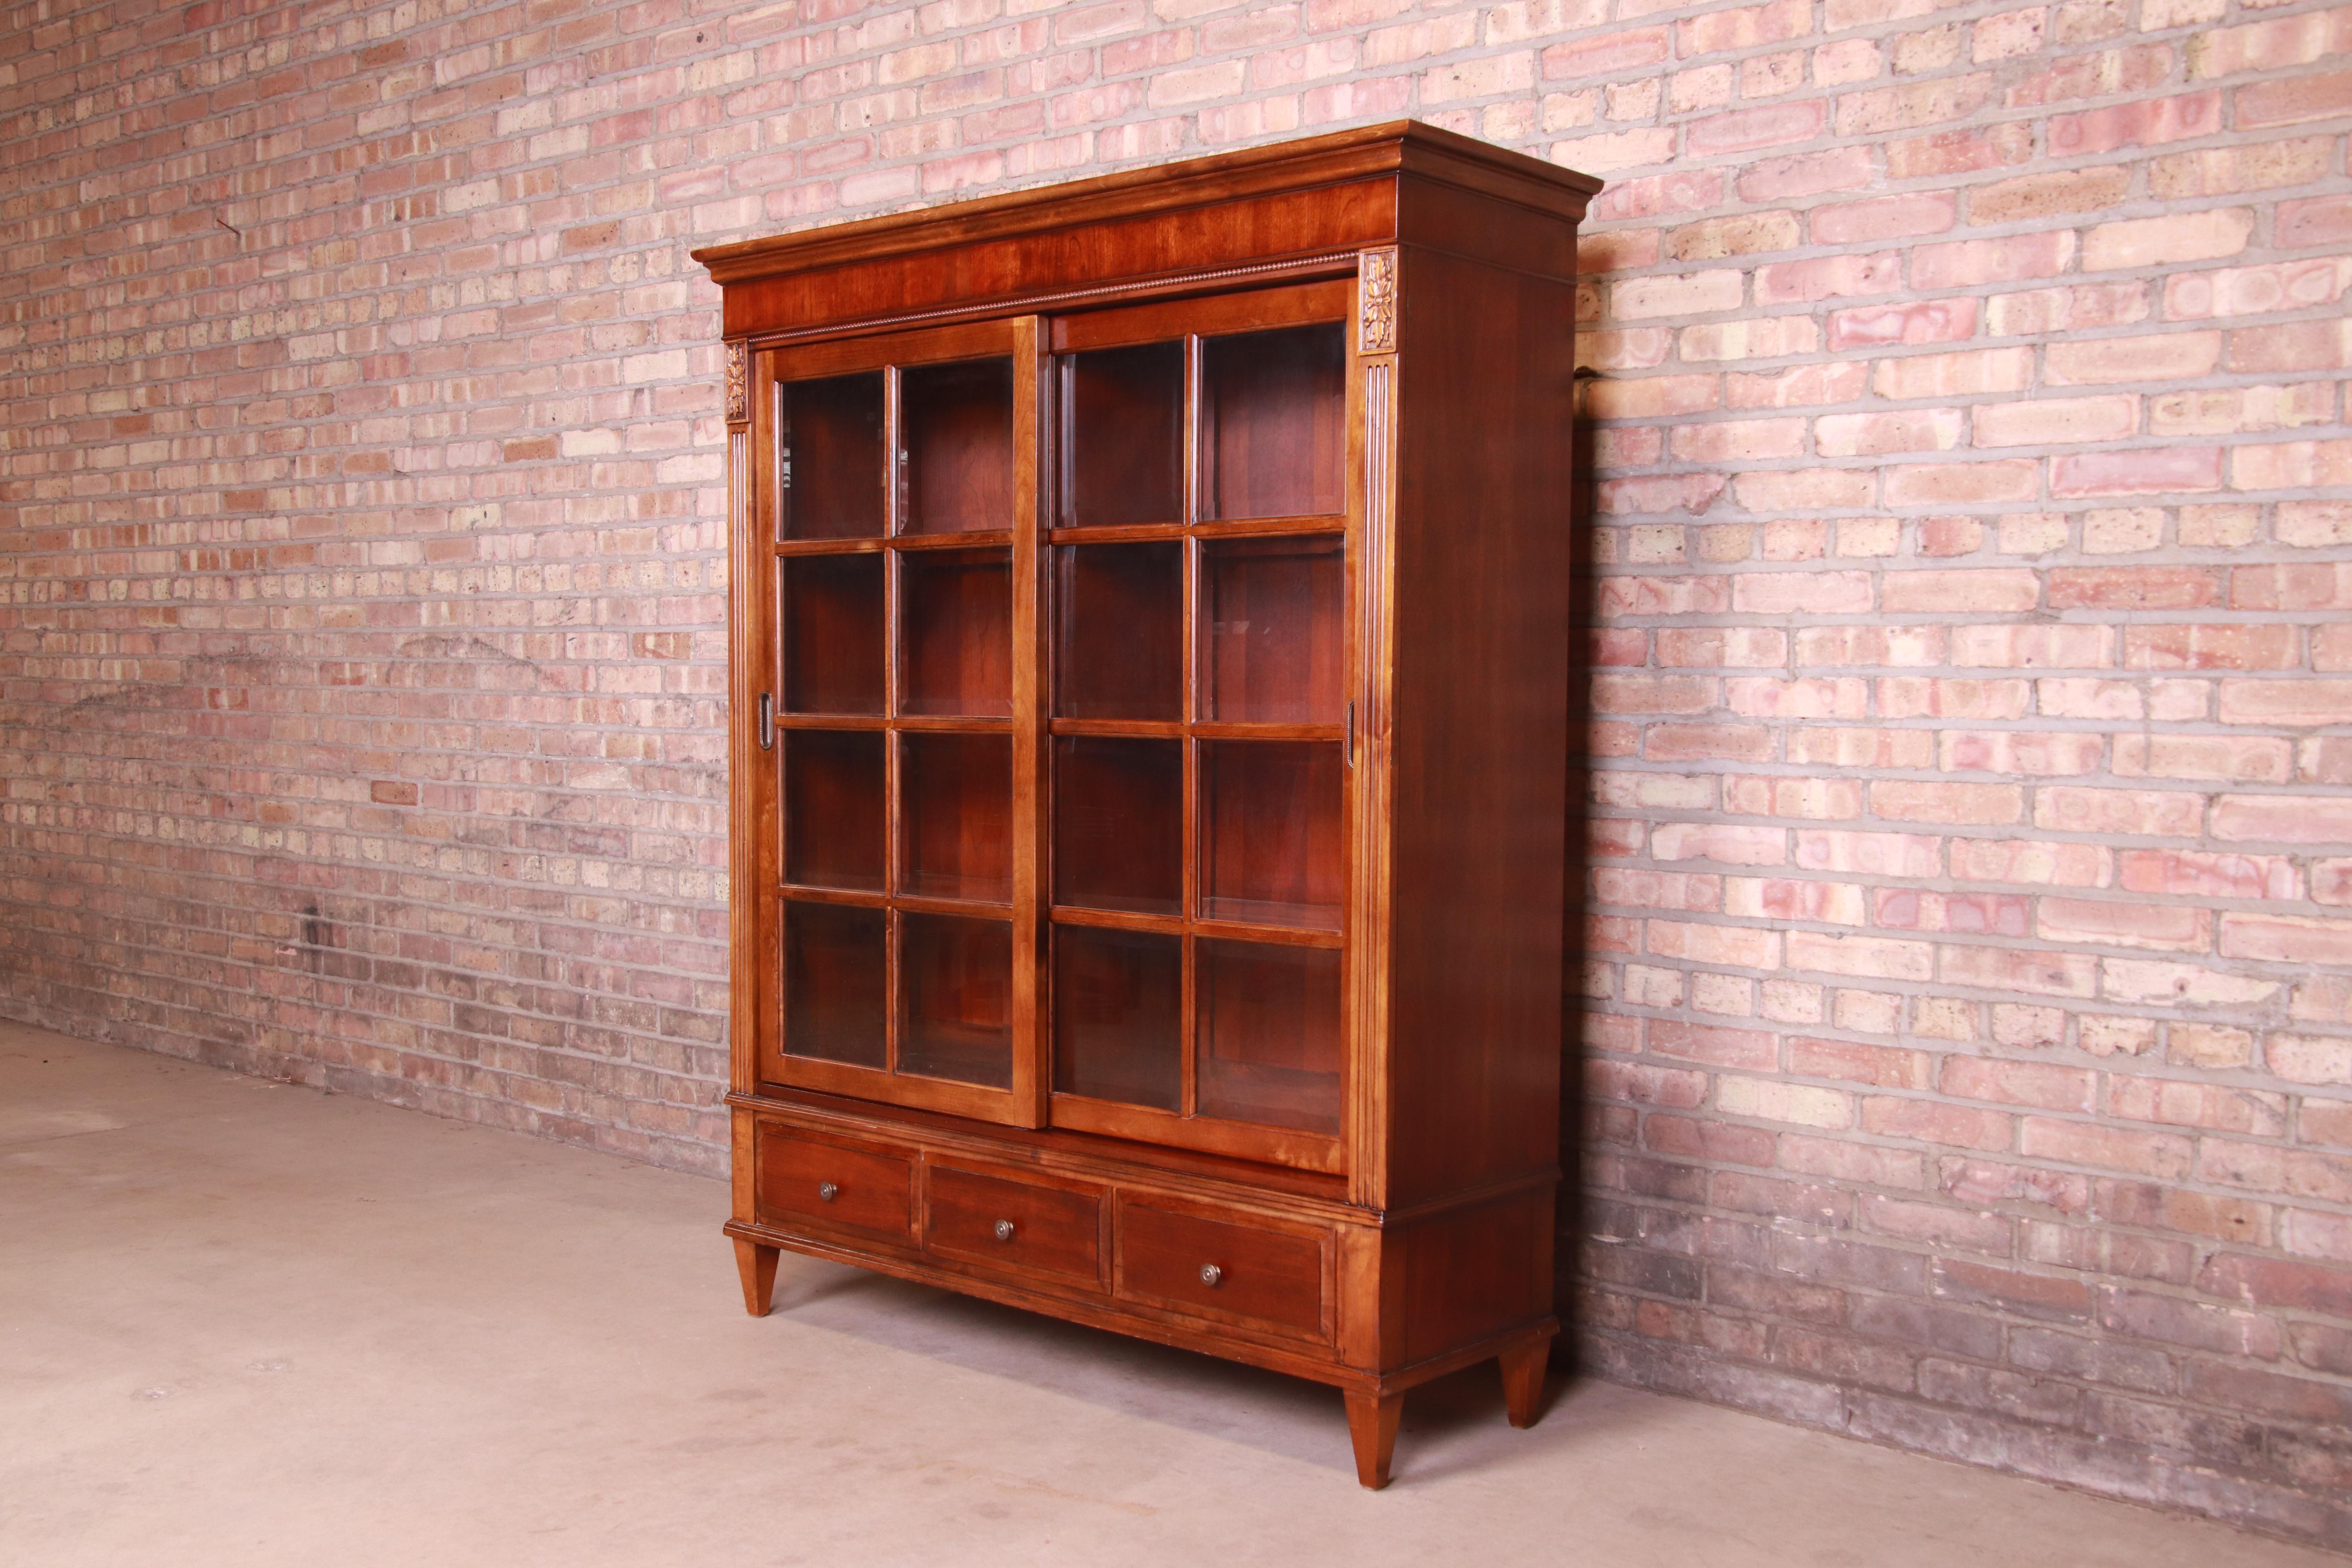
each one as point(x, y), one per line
point(1062, 720)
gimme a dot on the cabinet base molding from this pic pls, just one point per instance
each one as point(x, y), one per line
point(1305, 1287)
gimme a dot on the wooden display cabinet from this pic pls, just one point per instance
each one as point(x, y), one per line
point(1150, 628)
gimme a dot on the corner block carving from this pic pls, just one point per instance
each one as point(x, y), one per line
point(739, 382)
point(1376, 308)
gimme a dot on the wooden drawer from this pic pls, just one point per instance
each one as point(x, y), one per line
point(835, 1184)
point(1015, 1223)
point(1250, 1270)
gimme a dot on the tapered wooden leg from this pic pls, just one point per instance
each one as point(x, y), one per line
point(756, 1264)
point(1523, 1379)
point(1372, 1427)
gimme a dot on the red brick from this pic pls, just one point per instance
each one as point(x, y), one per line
point(2146, 812)
point(1882, 1066)
point(1911, 801)
point(2173, 872)
point(1750, 130)
point(1923, 321)
point(1965, 263)
point(2109, 924)
point(2278, 1282)
point(1979, 914)
point(2188, 645)
point(2035, 1084)
point(1717, 842)
point(2287, 939)
point(1933, 1121)
point(1878, 958)
point(2134, 587)
point(2042, 1297)
point(2034, 971)
point(2157, 1154)
point(2295, 100)
point(1606, 55)
point(1887, 217)
point(2283, 819)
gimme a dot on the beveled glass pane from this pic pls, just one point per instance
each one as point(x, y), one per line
point(834, 643)
point(958, 1022)
point(1270, 833)
point(957, 425)
point(1119, 644)
point(1117, 1016)
point(1118, 826)
point(1273, 616)
point(1274, 413)
point(1268, 1020)
point(956, 817)
point(834, 964)
point(829, 452)
point(834, 800)
point(955, 622)
point(1124, 436)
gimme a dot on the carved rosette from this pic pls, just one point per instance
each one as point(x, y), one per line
point(1376, 302)
point(739, 382)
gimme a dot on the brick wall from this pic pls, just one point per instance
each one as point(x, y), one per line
point(1969, 1043)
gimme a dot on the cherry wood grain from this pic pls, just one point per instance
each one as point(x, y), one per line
point(835, 1185)
point(1480, 587)
point(756, 1264)
point(1372, 1432)
point(1523, 1379)
point(1015, 1223)
point(1221, 1267)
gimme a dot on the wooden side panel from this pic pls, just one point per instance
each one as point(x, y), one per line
point(1477, 742)
point(1473, 1273)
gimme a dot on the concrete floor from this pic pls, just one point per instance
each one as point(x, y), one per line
point(248, 1324)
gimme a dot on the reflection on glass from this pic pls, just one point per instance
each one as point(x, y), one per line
point(1123, 439)
point(956, 623)
point(1117, 1016)
point(833, 808)
point(1270, 833)
point(829, 456)
point(1269, 1035)
point(1119, 648)
point(957, 815)
point(1274, 422)
point(958, 976)
point(833, 646)
point(957, 425)
point(834, 966)
point(1273, 615)
point(1119, 824)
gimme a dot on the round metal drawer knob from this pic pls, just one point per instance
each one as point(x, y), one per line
point(1005, 1230)
point(828, 1191)
point(1210, 1274)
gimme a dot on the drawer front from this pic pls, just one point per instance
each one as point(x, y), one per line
point(1223, 1268)
point(835, 1186)
point(1016, 1225)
